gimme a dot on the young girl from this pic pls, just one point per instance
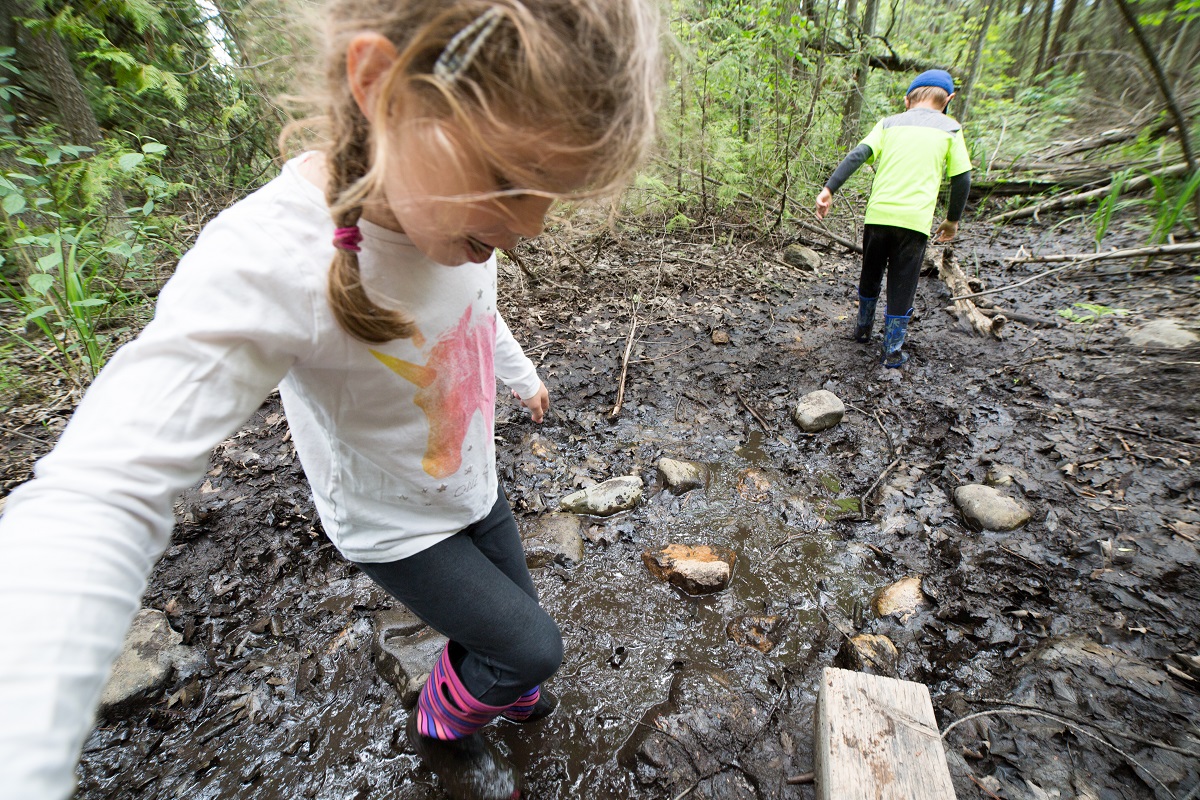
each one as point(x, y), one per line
point(362, 282)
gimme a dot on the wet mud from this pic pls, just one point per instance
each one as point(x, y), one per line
point(1064, 631)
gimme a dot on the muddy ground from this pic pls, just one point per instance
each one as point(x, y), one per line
point(1064, 632)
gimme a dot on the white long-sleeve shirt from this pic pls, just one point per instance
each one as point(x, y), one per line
point(396, 441)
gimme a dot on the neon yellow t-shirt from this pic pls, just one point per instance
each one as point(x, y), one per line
point(911, 153)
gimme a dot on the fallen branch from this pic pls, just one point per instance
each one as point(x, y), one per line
point(767, 428)
point(953, 277)
point(1132, 252)
point(616, 410)
point(1087, 259)
point(1017, 316)
point(820, 230)
point(1082, 198)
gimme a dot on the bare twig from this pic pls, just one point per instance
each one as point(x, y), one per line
point(616, 410)
point(1065, 723)
point(766, 427)
point(1132, 252)
point(803, 779)
point(1131, 737)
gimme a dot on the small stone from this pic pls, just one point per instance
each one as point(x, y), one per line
point(902, 599)
point(869, 653)
point(604, 499)
point(1005, 475)
point(680, 476)
point(405, 659)
point(754, 485)
point(720, 337)
point(699, 569)
point(1168, 333)
point(818, 411)
point(152, 654)
point(801, 257)
point(987, 508)
point(554, 538)
point(762, 632)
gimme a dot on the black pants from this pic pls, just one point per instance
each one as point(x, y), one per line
point(899, 251)
point(475, 589)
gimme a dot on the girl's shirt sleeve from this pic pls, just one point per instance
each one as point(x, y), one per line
point(512, 365)
point(78, 542)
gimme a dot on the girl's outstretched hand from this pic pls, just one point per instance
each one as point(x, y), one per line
point(538, 404)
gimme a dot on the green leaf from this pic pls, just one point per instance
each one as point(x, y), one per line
point(40, 282)
point(38, 313)
point(49, 262)
point(14, 203)
point(91, 302)
point(153, 147)
point(130, 160)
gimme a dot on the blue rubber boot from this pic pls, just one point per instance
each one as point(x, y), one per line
point(895, 328)
point(866, 318)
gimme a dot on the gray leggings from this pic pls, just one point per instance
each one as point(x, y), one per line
point(475, 589)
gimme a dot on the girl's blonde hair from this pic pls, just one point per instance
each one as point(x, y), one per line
point(580, 78)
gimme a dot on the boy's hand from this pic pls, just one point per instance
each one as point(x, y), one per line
point(824, 202)
point(946, 231)
point(538, 404)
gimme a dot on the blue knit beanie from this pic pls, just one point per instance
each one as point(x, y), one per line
point(933, 77)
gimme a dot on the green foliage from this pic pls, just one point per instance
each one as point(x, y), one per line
point(1089, 313)
point(68, 269)
point(1108, 205)
point(1172, 202)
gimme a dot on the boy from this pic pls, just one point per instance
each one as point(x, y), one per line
point(910, 152)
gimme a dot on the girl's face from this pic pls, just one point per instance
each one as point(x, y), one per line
point(435, 187)
point(432, 181)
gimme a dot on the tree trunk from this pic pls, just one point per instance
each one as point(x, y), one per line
point(1164, 86)
point(44, 54)
point(1060, 31)
point(854, 103)
point(968, 89)
point(1040, 65)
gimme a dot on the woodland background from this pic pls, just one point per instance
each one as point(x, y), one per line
point(126, 124)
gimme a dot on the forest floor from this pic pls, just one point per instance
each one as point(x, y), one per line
point(1065, 631)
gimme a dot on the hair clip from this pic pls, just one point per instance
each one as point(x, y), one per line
point(456, 57)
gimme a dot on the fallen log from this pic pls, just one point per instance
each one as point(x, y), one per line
point(952, 275)
point(1112, 136)
point(1132, 252)
point(1017, 316)
point(1082, 198)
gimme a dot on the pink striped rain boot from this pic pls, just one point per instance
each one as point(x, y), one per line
point(444, 730)
point(535, 704)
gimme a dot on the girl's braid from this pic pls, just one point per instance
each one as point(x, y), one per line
point(348, 160)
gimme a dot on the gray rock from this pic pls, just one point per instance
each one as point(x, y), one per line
point(818, 411)
point(554, 538)
point(1163, 333)
point(680, 476)
point(801, 257)
point(604, 499)
point(694, 569)
point(153, 653)
point(405, 656)
point(987, 508)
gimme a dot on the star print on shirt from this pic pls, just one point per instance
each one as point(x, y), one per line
point(458, 380)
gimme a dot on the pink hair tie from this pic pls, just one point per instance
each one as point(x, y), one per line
point(347, 238)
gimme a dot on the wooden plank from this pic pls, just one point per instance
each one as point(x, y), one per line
point(877, 739)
